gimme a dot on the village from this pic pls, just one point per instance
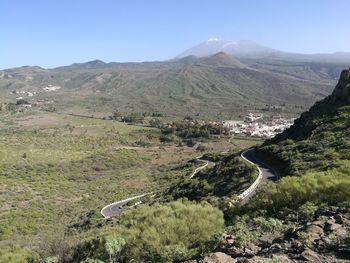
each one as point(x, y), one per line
point(255, 124)
point(23, 96)
point(252, 125)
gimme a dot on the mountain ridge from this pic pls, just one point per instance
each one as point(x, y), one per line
point(229, 86)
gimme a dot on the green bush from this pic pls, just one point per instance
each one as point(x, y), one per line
point(171, 232)
point(306, 212)
point(331, 187)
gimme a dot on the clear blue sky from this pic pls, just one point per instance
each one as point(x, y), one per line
point(50, 33)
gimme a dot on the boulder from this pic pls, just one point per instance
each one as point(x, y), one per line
point(250, 249)
point(218, 257)
point(314, 231)
point(310, 255)
point(266, 240)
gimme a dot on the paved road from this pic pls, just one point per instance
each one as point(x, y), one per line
point(201, 167)
point(267, 172)
point(116, 208)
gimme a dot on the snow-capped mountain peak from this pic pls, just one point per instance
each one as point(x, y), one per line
point(237, 48)
point(213, 39)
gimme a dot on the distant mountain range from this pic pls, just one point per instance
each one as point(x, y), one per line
point(251, 49)
point(218, 85)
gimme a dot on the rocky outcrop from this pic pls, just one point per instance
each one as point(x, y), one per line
point(323, 239)
point(342, 90)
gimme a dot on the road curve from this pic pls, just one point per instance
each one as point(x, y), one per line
point(116, 208)
point(266, 173)
point(199, 168)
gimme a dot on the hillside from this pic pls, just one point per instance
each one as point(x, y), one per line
point(306, 215)
point(319, 139)
point(188, 86)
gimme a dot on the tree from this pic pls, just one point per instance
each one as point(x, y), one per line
point(116, 115)
point(133, 118)
point(155, 123)
point(114, 246)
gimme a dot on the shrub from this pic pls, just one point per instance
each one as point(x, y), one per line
point(113, 247)
point(307, 211)
point(331, 187)
point(171, 232)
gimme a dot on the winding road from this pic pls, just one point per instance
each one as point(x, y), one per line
point(201, 167)
point(116, 208)
point(266, 173)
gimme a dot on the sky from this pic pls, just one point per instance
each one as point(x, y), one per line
point(51, 33)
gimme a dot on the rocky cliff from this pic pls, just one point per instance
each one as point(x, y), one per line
point(341, 93)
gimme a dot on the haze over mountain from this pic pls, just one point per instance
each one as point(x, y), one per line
point(238, 48)
point(251, 49)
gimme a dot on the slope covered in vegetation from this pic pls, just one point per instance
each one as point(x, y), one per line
point(319, 139)
point(305, 216)
point(219, 184)
point(218, 86)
